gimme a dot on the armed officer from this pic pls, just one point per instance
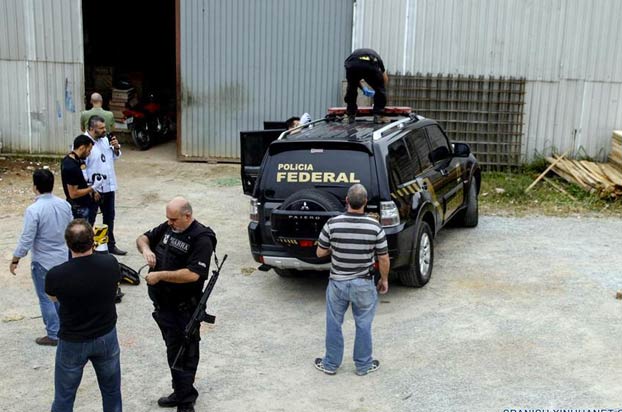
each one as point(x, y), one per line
point(178, 253)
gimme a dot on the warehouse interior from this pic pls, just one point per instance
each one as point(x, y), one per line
point(130, 46)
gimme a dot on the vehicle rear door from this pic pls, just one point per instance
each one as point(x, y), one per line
point(254, 145)
point(304, 184)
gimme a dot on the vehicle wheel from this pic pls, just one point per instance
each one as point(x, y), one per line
point(141, 138)
point(307, 200)
point(422, 259)
point(285, 273)
point(317, 201)
point(470, 215)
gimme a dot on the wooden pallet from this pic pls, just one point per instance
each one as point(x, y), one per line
point(615, 157)
point(603, 179)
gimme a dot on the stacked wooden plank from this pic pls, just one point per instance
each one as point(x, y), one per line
point(600, 178)
point(615, 157)
point(119, 101)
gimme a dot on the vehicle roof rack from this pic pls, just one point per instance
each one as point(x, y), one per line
point(377, 134)
point(339, 112)
point(368, 111)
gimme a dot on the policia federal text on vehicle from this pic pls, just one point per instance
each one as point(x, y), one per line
point(417, 182)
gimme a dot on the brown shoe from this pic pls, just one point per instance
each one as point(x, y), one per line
point(46, 341)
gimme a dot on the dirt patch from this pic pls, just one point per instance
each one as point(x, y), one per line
point(510, 305)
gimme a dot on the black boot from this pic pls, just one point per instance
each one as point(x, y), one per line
point(169, 401)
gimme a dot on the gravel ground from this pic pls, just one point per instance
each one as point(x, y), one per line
point(520, 313)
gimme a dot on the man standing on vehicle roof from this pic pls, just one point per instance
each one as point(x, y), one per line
point(100, 166)
point(178, 253)
point(352, 240)
point(365, 64)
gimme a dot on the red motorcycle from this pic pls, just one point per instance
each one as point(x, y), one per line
point(149, 123)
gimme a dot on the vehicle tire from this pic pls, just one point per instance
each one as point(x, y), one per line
point(422, 259)
point(311, 200)
point(469, 216)
point(285, 273)
point(323, 200)
point(141, 138)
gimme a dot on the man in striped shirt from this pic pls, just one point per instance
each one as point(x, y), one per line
point(352, 240)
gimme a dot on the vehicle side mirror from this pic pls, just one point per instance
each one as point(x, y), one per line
point(461, 150)
point(440, 153)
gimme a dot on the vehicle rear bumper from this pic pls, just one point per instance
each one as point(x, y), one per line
point(293, 263)
point(277, 256)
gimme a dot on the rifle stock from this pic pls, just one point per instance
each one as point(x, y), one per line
point(199, 314)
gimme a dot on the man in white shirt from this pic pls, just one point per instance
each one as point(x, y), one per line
point(100, 166)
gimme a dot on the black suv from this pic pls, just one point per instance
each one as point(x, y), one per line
point(417, 181)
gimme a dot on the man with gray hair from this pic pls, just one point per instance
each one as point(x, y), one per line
point(352, 239)
point(178, 253)
point(100, 172)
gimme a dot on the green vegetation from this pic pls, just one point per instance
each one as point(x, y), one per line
point(228, 181)
point(504, 193)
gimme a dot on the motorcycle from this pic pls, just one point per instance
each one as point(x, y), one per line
point(149, 123)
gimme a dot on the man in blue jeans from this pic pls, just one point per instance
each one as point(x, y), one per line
point(44, 224)
point(352, 239)
point(78, 193)
point(86, 287)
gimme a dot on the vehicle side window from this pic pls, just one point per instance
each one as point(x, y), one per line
point(439, 146)
point(418, 145)
point(402, 167)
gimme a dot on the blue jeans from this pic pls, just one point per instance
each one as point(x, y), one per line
point(364, 298)
point(103, 352)
point(49, 309)
point(81, 212)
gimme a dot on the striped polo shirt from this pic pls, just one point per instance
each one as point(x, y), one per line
point(354, 239)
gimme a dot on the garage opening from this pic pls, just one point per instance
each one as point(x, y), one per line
point(129, 58)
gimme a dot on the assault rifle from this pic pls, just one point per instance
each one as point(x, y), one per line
point(199, 314)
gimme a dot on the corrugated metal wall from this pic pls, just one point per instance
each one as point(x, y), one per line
point(41, 74)
point(570, 51)
point(244, 61)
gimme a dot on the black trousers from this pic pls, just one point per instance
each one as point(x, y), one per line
point(106, 204)
point(374, 78)
point(172, 323)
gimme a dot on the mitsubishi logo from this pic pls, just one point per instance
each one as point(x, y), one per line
point(304, 206)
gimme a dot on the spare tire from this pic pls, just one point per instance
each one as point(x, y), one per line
point(317, 201)
point(301, 217)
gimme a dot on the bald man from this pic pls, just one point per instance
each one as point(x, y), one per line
point(178, 253)
point(97, 101)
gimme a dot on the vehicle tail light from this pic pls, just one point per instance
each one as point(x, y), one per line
point(254, 213)
point(306, 243)
point(389, 215)
point(261, 260)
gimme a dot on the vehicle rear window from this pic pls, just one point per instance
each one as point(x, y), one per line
point(327, 169)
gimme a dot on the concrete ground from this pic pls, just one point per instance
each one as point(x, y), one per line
point(520, 313)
